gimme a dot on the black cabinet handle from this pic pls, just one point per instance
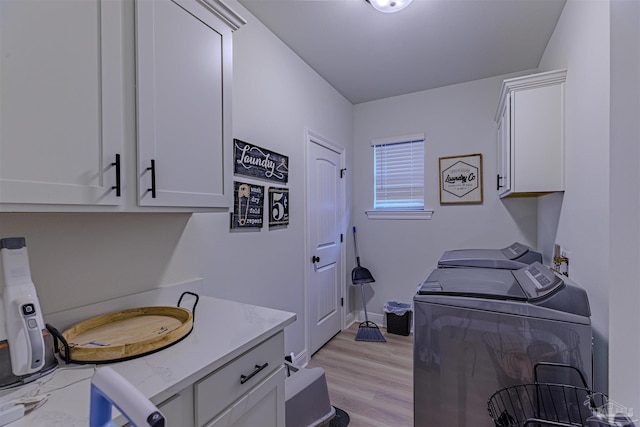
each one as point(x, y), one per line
point(152, 168)
point(315, 259)
point(258, 368)
point(118, 186)
point(498, 183)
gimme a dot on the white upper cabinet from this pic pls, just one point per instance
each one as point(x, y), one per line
point(530, 118)
point(61, 124)
point(68, 131)
point(184, 116)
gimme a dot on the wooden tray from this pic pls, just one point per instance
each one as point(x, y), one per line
point(125, 334)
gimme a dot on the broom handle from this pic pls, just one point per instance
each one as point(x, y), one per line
point(355, 244)
point(364, 304)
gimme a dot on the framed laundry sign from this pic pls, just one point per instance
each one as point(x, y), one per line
point(461, 179)
point(278, 206)
point(257, 162)
point(248, 203)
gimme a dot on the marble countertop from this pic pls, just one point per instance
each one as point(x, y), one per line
point(222, 331)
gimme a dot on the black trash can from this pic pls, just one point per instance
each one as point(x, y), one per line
point(398, 318)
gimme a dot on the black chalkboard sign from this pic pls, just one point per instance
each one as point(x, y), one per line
point(257, 162)
point(278, 206)
point(248, 201)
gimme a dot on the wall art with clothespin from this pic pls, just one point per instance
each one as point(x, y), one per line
point(257, 162)
point(248, 202)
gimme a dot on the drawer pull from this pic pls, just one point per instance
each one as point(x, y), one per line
point(118, 186)
point(245, 378)
point(152, 168)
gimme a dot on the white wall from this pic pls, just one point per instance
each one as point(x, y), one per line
point(580, 43)
point(82, 258)
point(456, 120)
point(276, 97)
point(624, 289)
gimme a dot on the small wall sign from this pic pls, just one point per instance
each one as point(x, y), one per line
point(248, 202)
point(257, 162)
point(461, 179)
point(278, 206)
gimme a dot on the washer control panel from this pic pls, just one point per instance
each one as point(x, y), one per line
point(538, 281)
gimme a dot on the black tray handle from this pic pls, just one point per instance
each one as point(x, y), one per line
point(193, 309)
point(57, 336)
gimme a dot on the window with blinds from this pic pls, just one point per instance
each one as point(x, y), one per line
point(399, 173)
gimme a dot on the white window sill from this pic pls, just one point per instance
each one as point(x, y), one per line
point(390, 214)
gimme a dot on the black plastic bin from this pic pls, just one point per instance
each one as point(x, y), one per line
point(398, 318)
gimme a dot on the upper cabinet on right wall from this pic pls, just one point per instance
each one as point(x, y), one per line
point(530, 119)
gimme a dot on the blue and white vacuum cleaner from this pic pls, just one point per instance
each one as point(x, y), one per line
point(108, 389)
point(26, 350)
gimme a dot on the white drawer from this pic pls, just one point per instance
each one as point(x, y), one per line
point(224, 386)
point(263, 406)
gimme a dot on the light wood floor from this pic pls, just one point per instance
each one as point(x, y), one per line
point(371, 381)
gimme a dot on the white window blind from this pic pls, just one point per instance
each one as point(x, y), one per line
point(399, 173)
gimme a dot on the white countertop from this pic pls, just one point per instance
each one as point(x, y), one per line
point(222, 331)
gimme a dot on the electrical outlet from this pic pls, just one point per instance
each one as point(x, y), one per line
point(561, 260)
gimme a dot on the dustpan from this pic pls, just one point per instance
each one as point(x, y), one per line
point(360, 275)
point(367, 331)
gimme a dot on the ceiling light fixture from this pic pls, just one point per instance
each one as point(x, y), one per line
point(389, 6)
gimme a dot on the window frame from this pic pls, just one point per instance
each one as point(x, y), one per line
point(398, 212)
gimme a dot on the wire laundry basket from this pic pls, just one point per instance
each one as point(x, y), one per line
point(545, 404)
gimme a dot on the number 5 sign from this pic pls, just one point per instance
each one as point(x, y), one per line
point(278, 206)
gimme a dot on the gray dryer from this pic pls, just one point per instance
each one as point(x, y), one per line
point(478, 330)
point(512, 257)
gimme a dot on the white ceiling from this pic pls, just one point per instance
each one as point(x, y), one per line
point(368, 55)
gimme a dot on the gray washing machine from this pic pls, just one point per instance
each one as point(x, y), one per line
point(479, 330)
point(512, 257)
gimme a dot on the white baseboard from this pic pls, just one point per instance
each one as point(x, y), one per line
point(301, 359)
point(350, 319)
point(378, 319)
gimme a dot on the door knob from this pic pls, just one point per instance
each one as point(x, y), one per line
point(315, 259)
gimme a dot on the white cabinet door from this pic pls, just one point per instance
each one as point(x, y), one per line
point(262, 406)
point(178, 409)
point(61, 124)
point(530, 119)
point(537, 140)
point(184, 82)
point(503, 184)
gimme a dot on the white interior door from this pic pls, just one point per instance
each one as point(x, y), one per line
point(325, 276)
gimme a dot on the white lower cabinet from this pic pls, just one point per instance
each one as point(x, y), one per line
point(262, 406)
point(246, 392)
point(250, 386)
point(178, 409)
